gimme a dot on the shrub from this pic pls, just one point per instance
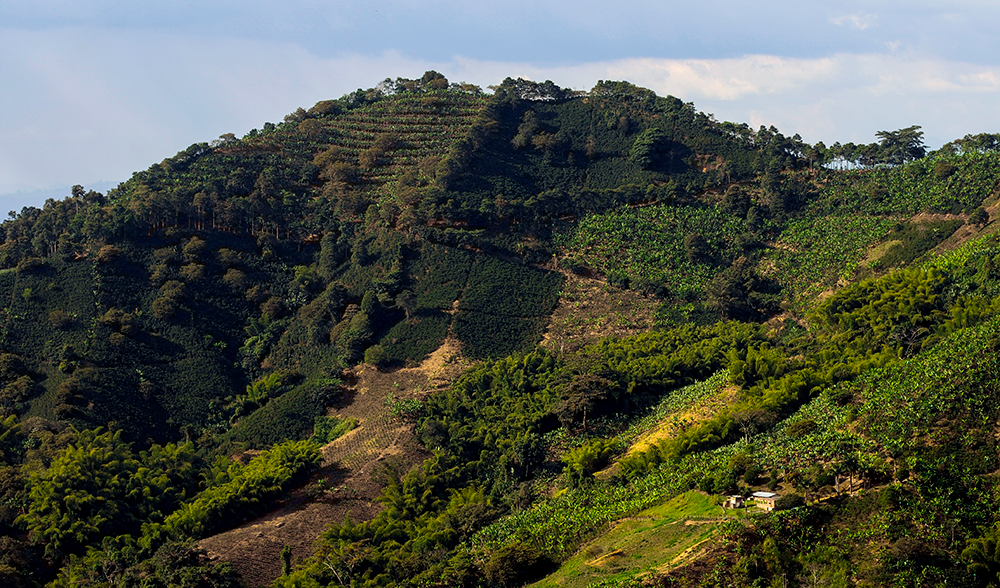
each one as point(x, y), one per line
point(108, 253)
point(979, 217)
point(515, 564)
point(60, 319)
point(164, 308)
point(788, 502)
point(326, 429)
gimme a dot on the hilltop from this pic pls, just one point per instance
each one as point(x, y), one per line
point(429, 335)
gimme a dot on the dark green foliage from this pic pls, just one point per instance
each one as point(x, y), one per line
point(504, 307)
point(164, 553)
point(20, 565)
point(176, 563)
point(979, 217)
point(287, 417)
point(286, 560)
point(983, 557)
point(736, 202)
point(697, 249)
point(415, 338)
point(439, 276)
point(583, 394)
point(487, 335)
point(740, 293)
point(503, 288)
point(647, 148)
point(914, 240)
point(514, 565)
point(788, 502)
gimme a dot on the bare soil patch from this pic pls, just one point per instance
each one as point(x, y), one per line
point(589, 310)
point(350, 470)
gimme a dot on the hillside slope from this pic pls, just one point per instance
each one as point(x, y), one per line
point(637, 300)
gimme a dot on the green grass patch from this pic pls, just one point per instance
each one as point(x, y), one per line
point(645, 542)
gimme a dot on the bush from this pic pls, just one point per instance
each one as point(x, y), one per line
point(326, 429)
point(108, 253)
point(515, 564)
point(788, 502)
point(979, 217)
point(60, 319)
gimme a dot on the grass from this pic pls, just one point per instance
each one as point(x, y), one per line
point(652, 540)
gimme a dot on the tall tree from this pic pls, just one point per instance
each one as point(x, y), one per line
point(899, 147)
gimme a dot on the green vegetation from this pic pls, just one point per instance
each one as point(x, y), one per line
point(812, 337)
point(652, 538)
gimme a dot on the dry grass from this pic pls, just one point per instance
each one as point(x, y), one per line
point(589, 310)
point(676, 423)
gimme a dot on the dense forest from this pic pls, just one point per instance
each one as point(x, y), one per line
point(623, 310)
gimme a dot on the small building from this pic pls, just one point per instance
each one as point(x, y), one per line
point(766, 500)
point(734, 501)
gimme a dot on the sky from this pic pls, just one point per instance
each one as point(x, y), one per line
point(94, 90)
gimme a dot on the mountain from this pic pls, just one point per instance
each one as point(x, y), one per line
point(464, 339)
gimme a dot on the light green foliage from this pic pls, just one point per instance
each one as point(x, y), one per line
point(97, 487)
point(912, 188)
point(326, 429)
point(813, 253)
point(247, 489)
point(583, 461)
point(259, 393)
point(649, 242)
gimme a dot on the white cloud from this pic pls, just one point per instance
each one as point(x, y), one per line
point(858, 21)
point(82, 105)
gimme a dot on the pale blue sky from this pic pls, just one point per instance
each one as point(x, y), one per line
point(95, 90)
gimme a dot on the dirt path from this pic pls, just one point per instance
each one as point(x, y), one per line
point(347, 469)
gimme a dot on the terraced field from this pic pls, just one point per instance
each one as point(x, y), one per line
point(415, 126)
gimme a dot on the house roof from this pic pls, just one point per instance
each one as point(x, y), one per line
point(765, 494)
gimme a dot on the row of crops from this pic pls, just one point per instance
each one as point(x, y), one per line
point(650, 241)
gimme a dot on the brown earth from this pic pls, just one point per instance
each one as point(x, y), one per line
point(589, 310)
point(348, 482)
point(965, 232)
